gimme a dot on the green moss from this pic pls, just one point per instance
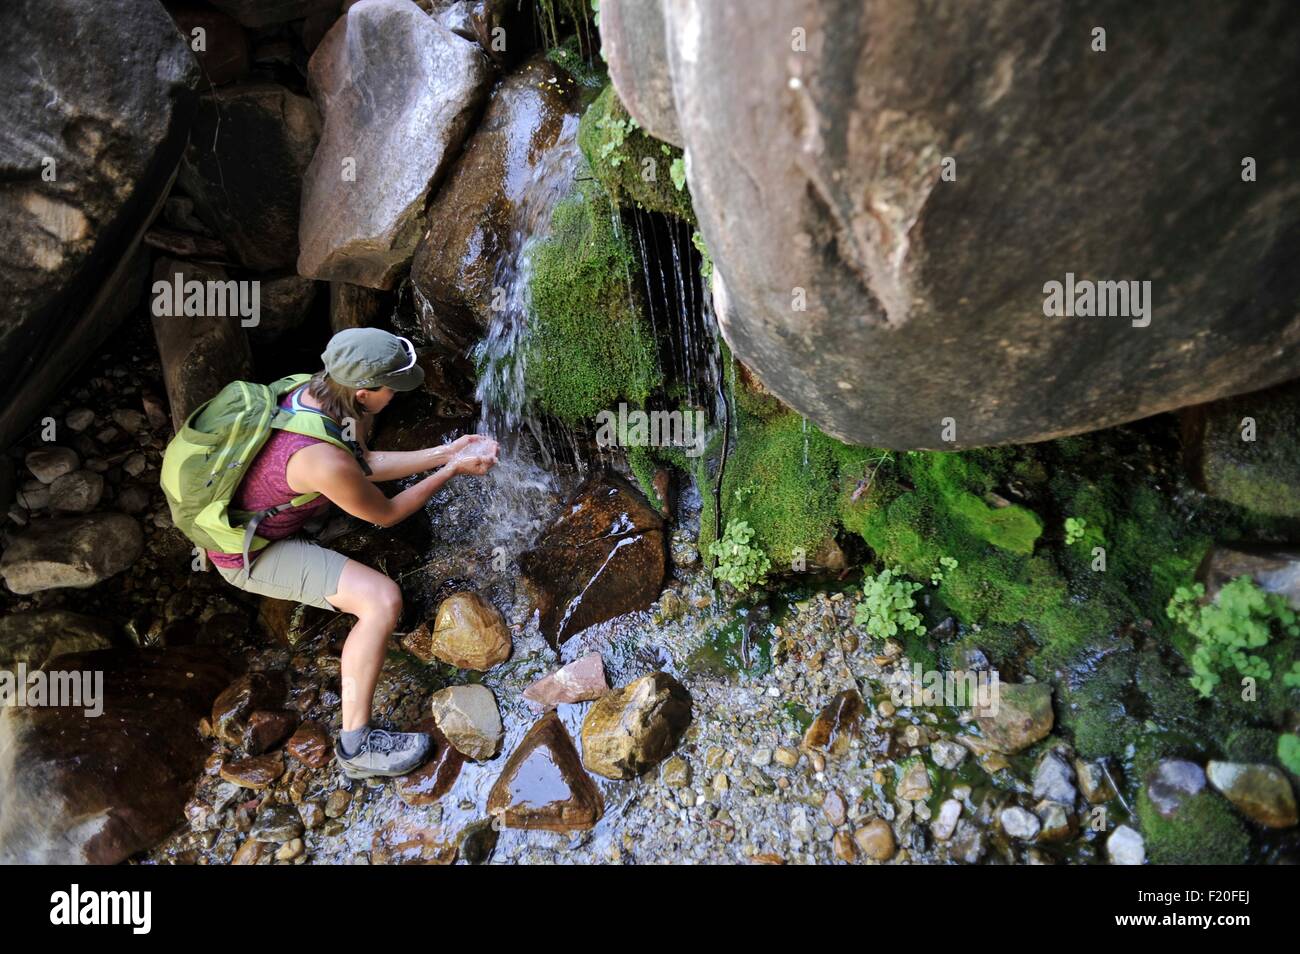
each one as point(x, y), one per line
point(633, 166)
point(1251, 745)
point(1263, 474)
point(588, 345)
point(1204, 831)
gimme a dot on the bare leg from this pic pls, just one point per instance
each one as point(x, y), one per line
point(376, 602)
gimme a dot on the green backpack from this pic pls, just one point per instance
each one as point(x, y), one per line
point(206, 460)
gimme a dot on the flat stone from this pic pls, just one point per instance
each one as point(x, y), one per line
point(915, 782)
point(311, 745)
point(48, 464)
point(1260, 792)
point(876, 840)
point(71, 551)
point(947, 754)
point(836, 725)
point(77, 492)
point(267, 729)
point(276, 825)
point(580, 681)
point(255, 772)
point(469, 718)
point(432, 780)
point(1023, 715)
point(543, 785)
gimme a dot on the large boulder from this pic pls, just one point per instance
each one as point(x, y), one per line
point(633, 729)
point(32, 639)
point(603, 556)
point(71, 551)
point(97, 790)
point(398, 92)
point(543, 785)
point(633, 43)
point(249, 149)
point(95, 102)
point(517, 164)
point(853, 272)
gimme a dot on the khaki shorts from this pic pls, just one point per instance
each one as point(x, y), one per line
point(292, 569)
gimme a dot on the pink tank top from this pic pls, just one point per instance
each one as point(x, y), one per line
point(265, 485)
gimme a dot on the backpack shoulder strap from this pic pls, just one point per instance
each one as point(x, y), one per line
point(301, 419)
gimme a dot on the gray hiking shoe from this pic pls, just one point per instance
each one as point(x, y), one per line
point(385, 753)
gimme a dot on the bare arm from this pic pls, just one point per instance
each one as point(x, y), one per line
point(334, 473)
point(390, 465)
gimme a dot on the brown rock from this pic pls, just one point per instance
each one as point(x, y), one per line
point(468, 716)
point(434, 778)
point(468, 633)
point(1260, 792)
point(580, 681)
point(404, 841)
point(836, 725)
point(834, 809)
point(248, 693)
point(255, 772)
point(1023, 716)
point(876, 840)
point(543, 785)
point(603, 557)
point(251, 852)
point(632, 729)
point(843, 845)
point(265, 730)
point(311, 745)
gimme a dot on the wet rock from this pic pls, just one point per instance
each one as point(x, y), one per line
point(1093, 783)
point(266, 730)
point(1023, 716)
point(879, 239)
point(243, 168)
point(311, 745)
point(251, 852)
point(405, 841)
point(397, 91)
point(33, 639)
point(77, 492)
point(434, 778)
point(477, 842)
point(85, 171)
point(71, 551)
point(947, 754)
point(518, 161)
point(543, 785)
point(255, 772)
point(469, 718)
point(249, 693)
point(1274, 569)
point(225, 57)
point(914, 784)
point(1020, 823)
point(1057, 820)
point(1172, 782)
point(1125, 847)
point(676, 772)
point(1260, 792)
point(1246, 450)
point(337, 804)
point(876, 840)
point(580, 681)
point(468, 632)
point(603, 557)
point(632, 729)
point(967, 844)
point(81, 790)
point(1054, 779)
point(291, 849)
point(200, 354)
point(945, 823)
point(837, 725)
point(276, 825)
point(48, 464)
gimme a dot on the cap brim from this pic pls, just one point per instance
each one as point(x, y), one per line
point(407, 380)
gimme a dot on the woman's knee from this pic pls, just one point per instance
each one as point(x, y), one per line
point(387, 601)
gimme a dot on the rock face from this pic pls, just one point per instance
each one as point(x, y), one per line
point(469, 718)
point(875, 268)
point(71, 551)
point(83, 790)
point(249, 148)
point(398, 92)
point(200, 354)
point(632, 42)
point(468, 633)
point(579, 681)
point(633, 729)
point(1246, 450)
point(1023, 716)
point(501, 191)
point(543, 785)
point(1260, 792)
point(35, 638)
point(604, 556)
point(83, 173)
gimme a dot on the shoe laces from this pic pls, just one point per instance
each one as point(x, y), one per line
point(384, 742)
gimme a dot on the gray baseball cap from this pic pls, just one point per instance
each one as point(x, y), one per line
point(372, 358)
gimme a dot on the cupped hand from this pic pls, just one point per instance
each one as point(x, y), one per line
point(477, 457)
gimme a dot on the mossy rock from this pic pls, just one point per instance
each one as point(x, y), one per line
point(589, 345)
point(632, 165)
point(1263, 474)
point(1203, 831)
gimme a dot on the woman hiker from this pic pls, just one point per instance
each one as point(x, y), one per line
point(364, 368)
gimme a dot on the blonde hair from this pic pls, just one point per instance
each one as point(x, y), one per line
point(337, 401)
